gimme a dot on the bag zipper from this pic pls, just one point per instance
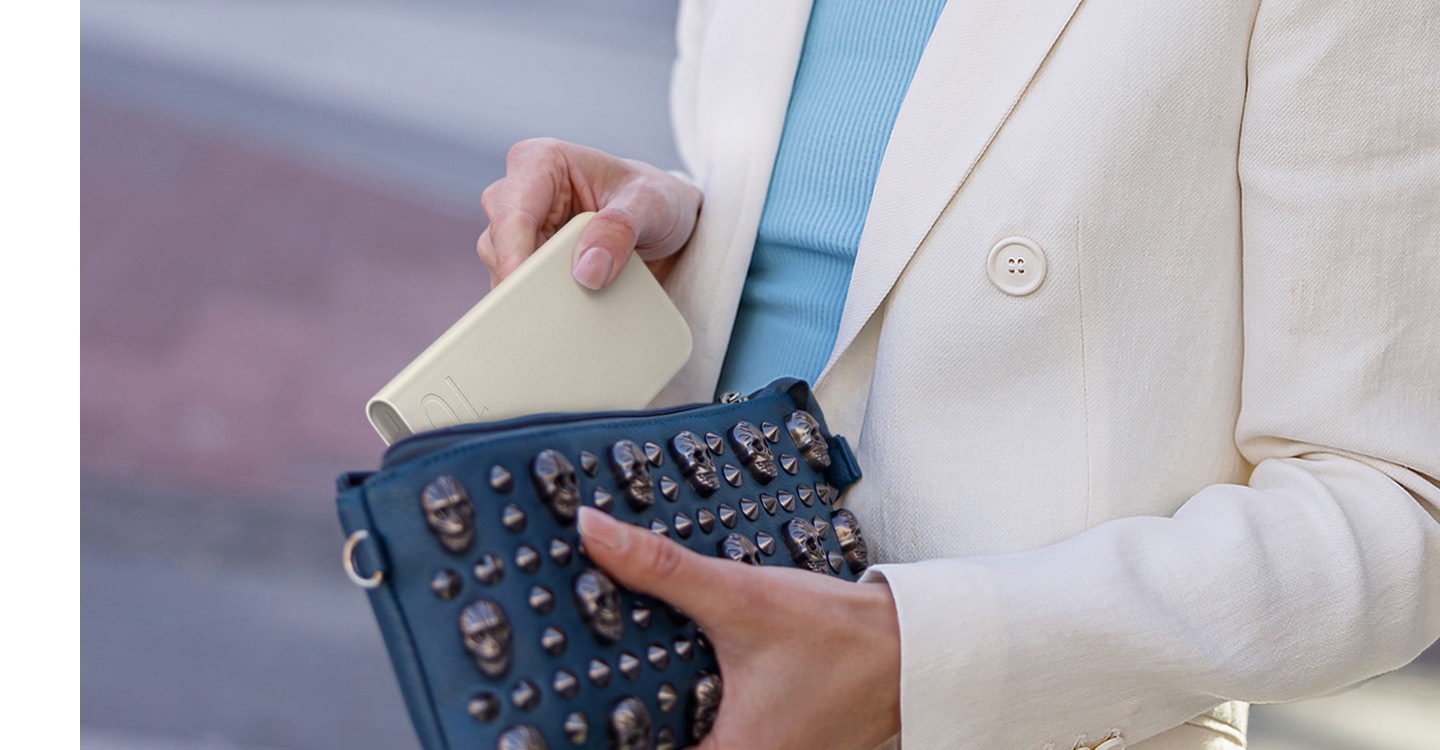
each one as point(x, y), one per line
point(414, 445)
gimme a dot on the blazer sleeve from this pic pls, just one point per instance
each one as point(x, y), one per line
point(1323, 570)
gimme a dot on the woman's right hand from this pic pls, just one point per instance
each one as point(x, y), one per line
point(638, 207)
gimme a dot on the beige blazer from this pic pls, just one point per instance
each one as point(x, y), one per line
point(1188, 458)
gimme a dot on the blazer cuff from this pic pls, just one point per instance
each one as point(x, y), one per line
point(942, 636)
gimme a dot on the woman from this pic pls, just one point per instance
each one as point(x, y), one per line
point(1136, 346)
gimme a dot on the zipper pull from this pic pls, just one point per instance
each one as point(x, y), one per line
point(731, 397)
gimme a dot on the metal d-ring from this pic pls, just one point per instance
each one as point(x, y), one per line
point(347, 559)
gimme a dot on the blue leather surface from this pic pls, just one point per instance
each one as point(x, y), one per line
point(439, 678)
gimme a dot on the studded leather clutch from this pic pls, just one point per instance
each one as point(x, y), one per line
point(503, 634)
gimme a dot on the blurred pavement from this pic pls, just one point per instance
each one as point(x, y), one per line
point(279, 209)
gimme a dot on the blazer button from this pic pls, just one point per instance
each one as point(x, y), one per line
point(1114, 743)
point(1016, 266)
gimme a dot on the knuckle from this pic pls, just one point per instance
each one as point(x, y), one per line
point(620, 220)
point(486, 250)
point(543, 148)
point(489, 195)
point(664, 557)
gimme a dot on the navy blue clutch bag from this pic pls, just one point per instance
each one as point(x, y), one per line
point(501, 631)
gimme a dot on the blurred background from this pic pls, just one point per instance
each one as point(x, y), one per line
point(280, 200)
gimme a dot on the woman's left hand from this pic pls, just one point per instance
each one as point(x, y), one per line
point(808, 661)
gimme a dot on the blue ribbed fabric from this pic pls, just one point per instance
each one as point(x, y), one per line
point(855, 67)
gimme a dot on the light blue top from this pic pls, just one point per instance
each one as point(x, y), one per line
point(856, 64)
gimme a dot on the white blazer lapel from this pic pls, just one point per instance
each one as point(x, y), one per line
point(980, 59)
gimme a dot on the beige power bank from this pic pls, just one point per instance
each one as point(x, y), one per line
point(541, 342)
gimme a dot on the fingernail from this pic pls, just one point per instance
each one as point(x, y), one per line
point(593, 268)
point(597, 528)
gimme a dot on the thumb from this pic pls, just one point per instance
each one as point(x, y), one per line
point(649, 563)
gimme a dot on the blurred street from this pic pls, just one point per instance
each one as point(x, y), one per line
point(280, 202)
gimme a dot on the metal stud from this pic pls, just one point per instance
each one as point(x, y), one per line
point(803, 541)
point(787, 501)
point(555, 483)
point(653, 454)
point(732, 475)
point(769, 502)
point(684, 648)
point(836, 560)
point(598, 672)
point(659, 527)
point(666, 697)
point(749, 508)
point(826, 493)
point(630, 725)
point(772, 432)
point(525, 695)
point(822, 526)
point(702, 641)
point(715, 443)
point(669, 489)
point(589, 463)
point(852, 542)
point(739, 548)
point(484, 707)
point(754, 451)
point(807, 494)
point(805, 431)
point(603, 499)
point(500, 479)
point(513, 518)
point(684, 527)
point(445, 583)
point(560, 550)
point(490, 569)
point(665, 739)
point(566, 684)
point(523, 737)
point(632, 472)
point(527, 559)
point(658, 657)
point(542, 600)
point(705, 520)
point(629, 665)
point(552, 639)
point(703, 704)
point(576, 728)
point(598, 602)
point(693, 459)
point(641, 615)
point(765, 542)
point(449, 513)
point(789, 463)
point(727, 516)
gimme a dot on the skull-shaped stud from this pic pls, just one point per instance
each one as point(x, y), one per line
point(554, 477)
point(805, 545)
point(739, 548)
point(805, 431)
point(449, 513)
point(703, 704)
point(599, 603)
point(485, 631)
point(852, 542)
point(695, 462)
point(754, 451)
point(632, 470)
point(630, 725)
point(522, 737)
